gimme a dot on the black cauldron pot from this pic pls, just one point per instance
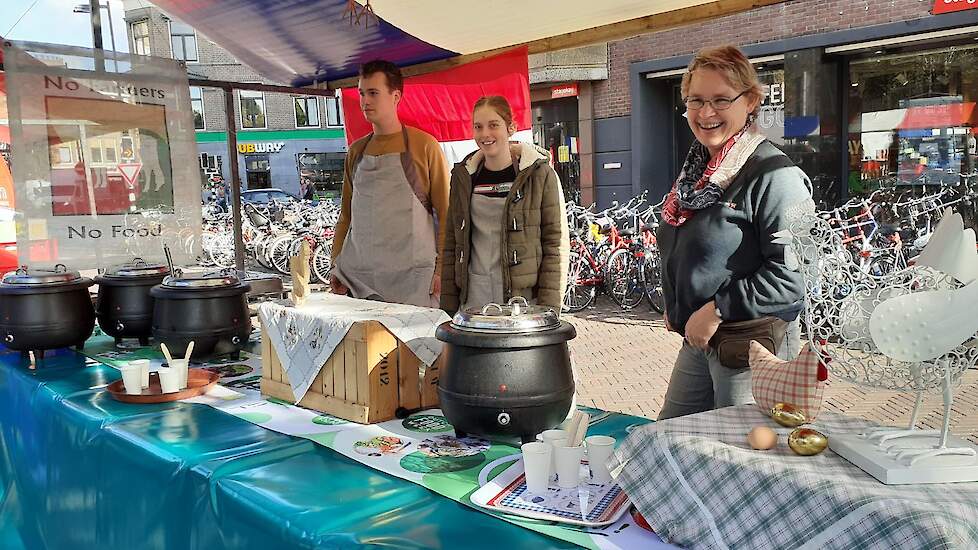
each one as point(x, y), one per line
point(42, 309)
point(507, 371)
point(125, 306)
point(209, 309)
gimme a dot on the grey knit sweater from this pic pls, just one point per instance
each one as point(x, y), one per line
point(725, 252)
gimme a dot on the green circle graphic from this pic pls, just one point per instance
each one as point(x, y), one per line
point(427, 423)
point(421, 463)
point(327, 420)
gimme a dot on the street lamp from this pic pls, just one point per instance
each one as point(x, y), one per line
point(87, 8)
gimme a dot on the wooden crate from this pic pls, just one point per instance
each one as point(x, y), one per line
point(367, 378)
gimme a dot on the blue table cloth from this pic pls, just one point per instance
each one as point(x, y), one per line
point(81, 470)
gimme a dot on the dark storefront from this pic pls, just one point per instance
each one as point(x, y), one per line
point(556, 129)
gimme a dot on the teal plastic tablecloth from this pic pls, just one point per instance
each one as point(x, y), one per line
point(81, 470)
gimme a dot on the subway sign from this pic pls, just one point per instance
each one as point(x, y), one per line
point(262, 147)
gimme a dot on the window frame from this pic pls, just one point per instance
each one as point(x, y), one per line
point(339, 111)
point(241, 111)
point(140, 39)
point(295, 111)
point(203, 112)
point(196, 58)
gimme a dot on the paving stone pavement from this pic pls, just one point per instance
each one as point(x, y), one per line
point(624, 360)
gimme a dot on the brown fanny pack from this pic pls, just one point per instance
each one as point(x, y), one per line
point(732, 339)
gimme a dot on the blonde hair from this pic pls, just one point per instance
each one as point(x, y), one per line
point(497, 103)
point(733, 65)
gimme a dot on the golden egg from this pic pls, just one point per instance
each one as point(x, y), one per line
point(788, 415)
point(807, 442)
point(762, 438)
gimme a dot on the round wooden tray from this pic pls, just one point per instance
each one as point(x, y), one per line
point(198, 382)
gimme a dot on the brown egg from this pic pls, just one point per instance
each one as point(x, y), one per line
point(762, 438)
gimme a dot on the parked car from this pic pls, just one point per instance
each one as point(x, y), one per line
point(265, 196)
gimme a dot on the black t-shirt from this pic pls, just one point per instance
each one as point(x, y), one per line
point(494, 183)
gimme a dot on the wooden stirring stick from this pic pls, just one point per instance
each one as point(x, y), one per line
point(166, 353)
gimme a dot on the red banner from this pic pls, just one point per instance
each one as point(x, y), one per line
point(440, 103)
point(949, 6)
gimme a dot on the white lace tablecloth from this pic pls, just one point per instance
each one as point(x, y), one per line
point(305, 336)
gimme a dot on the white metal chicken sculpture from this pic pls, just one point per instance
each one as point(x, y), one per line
point(911, 330)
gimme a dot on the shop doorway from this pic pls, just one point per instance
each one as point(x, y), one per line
point(556, 129)
point(259, 172)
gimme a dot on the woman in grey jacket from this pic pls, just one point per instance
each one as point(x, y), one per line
point(720, 263)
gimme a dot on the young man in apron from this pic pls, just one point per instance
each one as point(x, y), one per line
point(395, 190)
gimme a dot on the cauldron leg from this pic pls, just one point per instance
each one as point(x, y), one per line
point(144, 341)
point(459, 434)
point(39, 355)
point(80, 346)
point(527, 438)
point(235, 355)
point(25, 354)
point(118, 340)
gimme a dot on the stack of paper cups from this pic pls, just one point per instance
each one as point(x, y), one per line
point(132, 378)
point(536, 464)
point(181, 366)
point(599, 451)
point(553, 438)
point(143, 365)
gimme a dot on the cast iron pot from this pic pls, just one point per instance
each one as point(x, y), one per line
point(210, 309)
point(507, 370)
point(125, 306)
point(42, 309)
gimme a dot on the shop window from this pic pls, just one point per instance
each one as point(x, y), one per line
point(321, 174)
point(912, 118)
point(252, 109)
point(197, 104)
point(183, 41)
point(306, 112)
point(334, 112)
point(140, 37)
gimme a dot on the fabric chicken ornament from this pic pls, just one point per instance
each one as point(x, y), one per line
point(800, 382)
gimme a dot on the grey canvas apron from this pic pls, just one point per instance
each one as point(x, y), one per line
point(485, 258)
point(389, 252)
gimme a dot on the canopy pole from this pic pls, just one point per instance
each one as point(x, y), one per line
point(239, 252)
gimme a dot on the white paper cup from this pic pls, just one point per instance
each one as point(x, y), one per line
point(143, 365)
point(169, 380)
point(132, 378)
point(568, 465)
point(181, 366)
point(599, 451)
point(554, 437)
point(536, 463)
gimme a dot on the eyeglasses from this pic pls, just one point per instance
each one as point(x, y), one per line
point(718, 104)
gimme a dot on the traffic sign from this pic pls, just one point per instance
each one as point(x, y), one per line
point(129, 171)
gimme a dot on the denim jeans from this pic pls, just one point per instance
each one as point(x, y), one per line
point(700, 383)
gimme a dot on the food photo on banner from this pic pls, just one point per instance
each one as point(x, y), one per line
point(97, 181)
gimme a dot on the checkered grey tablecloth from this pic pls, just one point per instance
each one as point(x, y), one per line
point(699, 485)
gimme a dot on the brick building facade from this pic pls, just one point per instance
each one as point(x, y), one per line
point(813, 52)
point(303, 154)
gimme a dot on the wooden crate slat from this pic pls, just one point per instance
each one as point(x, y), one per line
point(409, 394)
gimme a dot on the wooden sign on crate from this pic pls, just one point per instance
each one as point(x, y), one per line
point(367, 378)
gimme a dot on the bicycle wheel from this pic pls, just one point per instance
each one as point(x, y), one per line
point(322, 261)
point(653, 280)
point(624, 280)
point(278, 253)
point(580, 292)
